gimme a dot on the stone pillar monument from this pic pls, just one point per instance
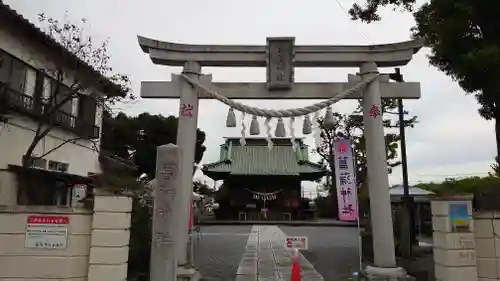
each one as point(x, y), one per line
point(165, 211)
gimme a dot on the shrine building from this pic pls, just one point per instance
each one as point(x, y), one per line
point(263, 184)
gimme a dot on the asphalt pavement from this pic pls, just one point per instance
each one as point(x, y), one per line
point(333, 251)
point(218, 251)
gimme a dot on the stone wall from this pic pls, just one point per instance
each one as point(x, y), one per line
point(487, 231)
point(110, 238)
point(97, 243)
point(8, 188)
point(20, 263)
point(454, 249)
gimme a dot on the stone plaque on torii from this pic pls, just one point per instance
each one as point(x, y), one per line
point(280, 56)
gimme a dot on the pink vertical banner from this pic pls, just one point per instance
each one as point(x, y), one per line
point(345, 178)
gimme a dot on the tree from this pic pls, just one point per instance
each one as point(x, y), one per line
point(465, 45)
point(369, 12)
point(352, 126)
point(469, 185)
point(137, 138)
point(496, 168)
point(202, 188)
point(68, 81)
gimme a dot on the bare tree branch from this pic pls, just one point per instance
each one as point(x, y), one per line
point(57, 147)
point(352, 126)
point(72, 37)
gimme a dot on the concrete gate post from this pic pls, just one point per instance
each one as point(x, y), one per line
point(453, 245)
point(487, 233)
point(378, 182)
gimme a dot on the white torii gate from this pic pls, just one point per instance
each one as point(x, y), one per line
point(280, 56)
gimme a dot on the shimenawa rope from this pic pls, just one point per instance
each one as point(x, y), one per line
point(277, 113)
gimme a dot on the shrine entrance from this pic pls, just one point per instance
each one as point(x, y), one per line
point(262, 184)
point(280, 56)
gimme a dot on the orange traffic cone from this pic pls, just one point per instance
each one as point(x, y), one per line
point(296, 266)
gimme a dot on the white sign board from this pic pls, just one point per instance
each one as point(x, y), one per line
point(47, 232)
point(297, 242)
point(79, 192)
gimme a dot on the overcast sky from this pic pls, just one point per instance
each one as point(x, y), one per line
point(450, 139)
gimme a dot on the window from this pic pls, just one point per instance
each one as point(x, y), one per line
point(87, 113)
point(62, 94)
point(39, 163)
point(5, 63)
point(12, 72)
point(50, 86)
point(58, 166)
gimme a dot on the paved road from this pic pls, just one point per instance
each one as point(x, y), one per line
point(333, 251)
point(219, 250)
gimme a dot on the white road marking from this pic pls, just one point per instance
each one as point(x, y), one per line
point(266, 258)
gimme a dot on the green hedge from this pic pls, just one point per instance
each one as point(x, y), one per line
point(469, 185)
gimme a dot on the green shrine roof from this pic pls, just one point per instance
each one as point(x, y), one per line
point(255, 158)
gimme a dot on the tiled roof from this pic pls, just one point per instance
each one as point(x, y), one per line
point(259, 160)
point(21, 23)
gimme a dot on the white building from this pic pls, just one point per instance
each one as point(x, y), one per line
point(25, 51)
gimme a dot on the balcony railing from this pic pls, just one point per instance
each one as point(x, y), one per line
point(64, 119)
point(21, 100)
point(17, 100)
point(14, 100)
point(95, 132)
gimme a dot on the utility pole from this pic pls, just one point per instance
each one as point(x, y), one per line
point(407, 227)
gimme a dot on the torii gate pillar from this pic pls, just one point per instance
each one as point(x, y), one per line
point(378, 181)
point(186, 140)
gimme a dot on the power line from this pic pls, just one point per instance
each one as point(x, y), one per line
point(346, 13)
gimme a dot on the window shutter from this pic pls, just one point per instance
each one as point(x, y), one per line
point(30, 82)
point(74, 107)
point(40, 82)
point(5, 66)
point(86, 114)
point(48, 84)
point(91, 111)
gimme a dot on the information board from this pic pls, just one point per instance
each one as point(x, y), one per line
point(297, 242)
point(79, 192)
point(47, 232)
point(459, 216)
